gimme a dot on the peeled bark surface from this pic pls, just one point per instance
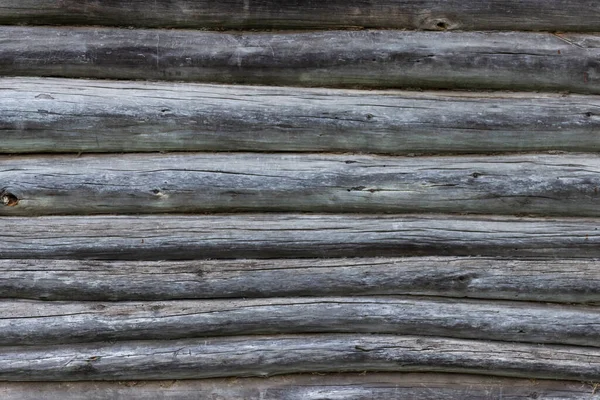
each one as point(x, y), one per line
point(364, 59)
point(554, 15)
point(180, 237)
point(64, 115)
point(562, 185)
point(277, 355)
point(544, 280)
point(37, 323)
point(348, 386)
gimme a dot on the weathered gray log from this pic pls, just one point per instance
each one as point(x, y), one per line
point(467, 60)
point(65, 115)
point(27, 322)
point(348, 386)
point(294, 235)
point(278, 355)
point(564, 185)
point(555, 15)
point(551, 280)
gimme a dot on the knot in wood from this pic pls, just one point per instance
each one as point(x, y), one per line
point(9, 199)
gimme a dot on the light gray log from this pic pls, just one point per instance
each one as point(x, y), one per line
point(563, 185)
point(449, 60)
point(294, 235)
point(553, 15)
point(551, 280)
point(278, 355)
point(35, 323)
point(348, 386)
point(64, 115)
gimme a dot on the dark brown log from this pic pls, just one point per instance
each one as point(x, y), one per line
point(377, 59)
point(551, 280)
point(278, 355)
point(348, 386)
point(560, 15)
point(65, 115)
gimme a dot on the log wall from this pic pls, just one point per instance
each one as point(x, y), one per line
point(291, 200)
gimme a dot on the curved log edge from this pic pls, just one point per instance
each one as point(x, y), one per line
point(65, 115)
point(277, 355)
point(349, 386)
point(36, 323)
point(375, 59)
point(561, 185)
point(178, 237)
point(551, 280)
point(555, 15)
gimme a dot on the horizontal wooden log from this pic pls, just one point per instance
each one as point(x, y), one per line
point(348, 386)
point(562, 185)
point(551, 280)
point(278, 355)
point(377, 59)
point(66, 115)
point(555, 15)
point(294, 235)
point(35, 323)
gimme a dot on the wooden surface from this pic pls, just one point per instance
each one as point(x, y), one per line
point(348, 386)
point(554, 15)
point(277, 355)
point(37, 323)
point(64, 115)
point(377, 59)
point(544, 280)
point(562, 185)
point(295, 235)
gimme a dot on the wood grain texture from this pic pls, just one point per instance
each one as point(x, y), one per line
point(294, 235)
point(545, 280)
point(562, 185)
point(348, 386)
point(375, 59)
point(65, 115)
point(561, 15)
point(37, 323)
point(278, 355)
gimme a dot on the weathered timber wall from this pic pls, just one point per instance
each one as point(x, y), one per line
point(378, 59)
point(348, 386)
point(545, 280)
point(567, 185)
point(36, 323)
point(553, 15)
point(64, 115)
point(276, 355)
point(295, 235)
